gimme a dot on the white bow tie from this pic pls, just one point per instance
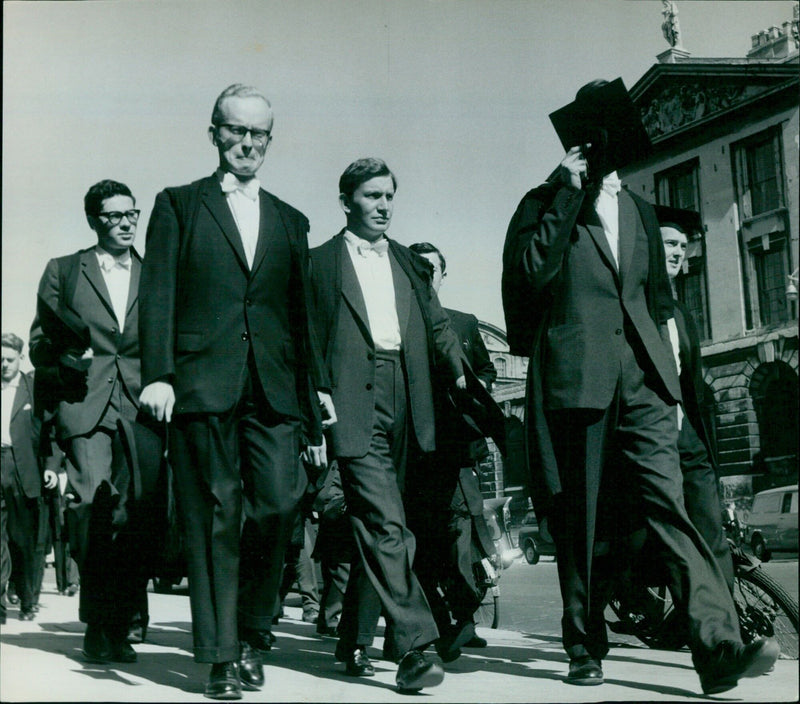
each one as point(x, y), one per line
point(380, 247)
point(249, 188)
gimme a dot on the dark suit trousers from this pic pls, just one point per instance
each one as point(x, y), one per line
point(701, 496)
point(242, 463)
point(22, 531)
point(386, 546)
point(642, 430)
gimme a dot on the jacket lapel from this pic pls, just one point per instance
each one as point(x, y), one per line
point(351, 291)
point(595, 229)
point(217, 205)
point(402, 293)
point(91, 270)
point(133, 287)
point(21, 396)
point(269, 221)
point(629, 229)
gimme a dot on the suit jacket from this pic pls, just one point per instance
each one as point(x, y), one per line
point(116, 355)
point(559, 261)
point(204, 311)
point(691, 378)
point(349, 351)
point(25, 428)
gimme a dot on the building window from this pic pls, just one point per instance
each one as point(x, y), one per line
point(678, 187)
point(500, 364)
point(758, 171)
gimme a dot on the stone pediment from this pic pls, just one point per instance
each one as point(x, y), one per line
point(674, 97)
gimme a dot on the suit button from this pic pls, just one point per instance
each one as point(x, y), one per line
point(248, 302)
point(111, 380)
point(245, 336)
point(113, 329)
point(116, 356)
point(370, 356)
point(618, 331)
point(369, 387)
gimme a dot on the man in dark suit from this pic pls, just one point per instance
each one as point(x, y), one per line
point(444, 499)
point(382, 331)
point(22, 478)
point(229, 357)
point(100, 286)
point(603, 391)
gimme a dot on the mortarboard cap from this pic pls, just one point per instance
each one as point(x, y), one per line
point(604, 116)
point(687, 221)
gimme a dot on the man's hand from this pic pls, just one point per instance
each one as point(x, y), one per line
point(572, 166)
point(158, 399)
point(50, 479)
point(461, 382)
point(328, 411)
point(316, 455)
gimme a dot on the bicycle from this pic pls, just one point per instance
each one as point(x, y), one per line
point(764, 607)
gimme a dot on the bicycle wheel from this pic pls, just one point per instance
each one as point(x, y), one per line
point(765, 609)
point(488, 613)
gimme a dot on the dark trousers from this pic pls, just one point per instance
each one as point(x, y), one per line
point(5, 556)
point(372, 489)
point(299, 569)
point(104, 535)
point(701, 496)
point(641, 430)
point(335, 576)
point(243, 464)
point(22, 530)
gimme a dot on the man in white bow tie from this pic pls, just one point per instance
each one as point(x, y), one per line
point(587, 297)
point(382, 330)
point(229, 358)
point(100, 285)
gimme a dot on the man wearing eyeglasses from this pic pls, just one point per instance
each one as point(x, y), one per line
point(99, 285)
point(229, 358)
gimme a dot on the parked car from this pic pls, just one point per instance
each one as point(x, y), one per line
point(535, 540)
point(772, 524)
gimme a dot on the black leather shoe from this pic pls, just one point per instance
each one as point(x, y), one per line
point(476, 642)
point(12, 598)
point(417, 671)
point(357, 663)
point(251, 668)
point(223, 682)
point(96, 647)
point(121, 650)
point(585, 671)
point(27, 614)
point(732, 661)
point(260, 640)
point(449, 644)
point(330, 631)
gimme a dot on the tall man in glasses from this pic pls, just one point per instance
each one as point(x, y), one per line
point(229, 357)
point(100, 286)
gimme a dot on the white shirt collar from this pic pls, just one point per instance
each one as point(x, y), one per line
point(108, 261)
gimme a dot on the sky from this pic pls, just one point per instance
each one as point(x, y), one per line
point(453, 94)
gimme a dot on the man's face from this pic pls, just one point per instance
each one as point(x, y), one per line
point(369, 210)
point(115, 239)
point(674, 249)
point(242, 155)
point(433, 258)
point(11, 360)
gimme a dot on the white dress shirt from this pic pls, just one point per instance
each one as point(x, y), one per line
point(6, 406)
point(117, 275)
point(242, 197)
point(607, 208)
point(374, 273)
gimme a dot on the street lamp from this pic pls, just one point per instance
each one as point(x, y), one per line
point(791, 289)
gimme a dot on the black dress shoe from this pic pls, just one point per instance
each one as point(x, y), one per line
point(732, 661)
point(251, 669)
point(121, 650)
point(260, 640)
point(449, 644)
point(223, 682)
point(12, 598)
point(585, 671)
point(331, 631)
point(27, 614)
point(476, 642)
point(417, 671)
point(96, 646)
point(357, 663)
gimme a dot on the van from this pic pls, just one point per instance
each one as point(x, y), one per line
point(772, 525)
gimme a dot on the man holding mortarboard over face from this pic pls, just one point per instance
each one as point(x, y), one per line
point(586, 296)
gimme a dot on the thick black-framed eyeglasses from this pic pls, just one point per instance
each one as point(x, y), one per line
point(115, 216)
point(240, 131)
